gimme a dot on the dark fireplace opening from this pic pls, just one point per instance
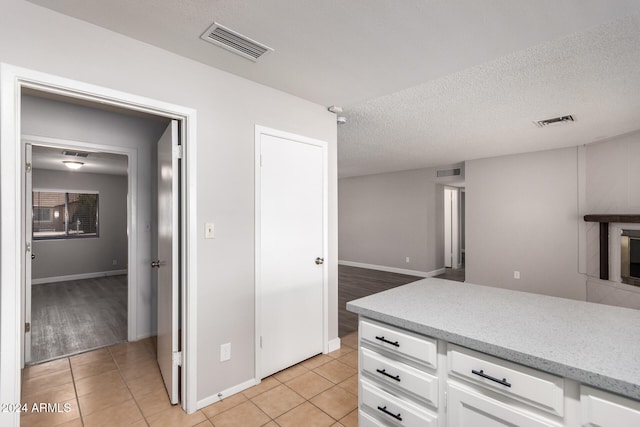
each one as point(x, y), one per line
point(630, 257)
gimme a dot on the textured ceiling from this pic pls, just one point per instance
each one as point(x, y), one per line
point(105, 163)
point(422, 82)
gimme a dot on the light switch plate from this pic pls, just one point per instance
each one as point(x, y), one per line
point(225, 352)
point(208, 230)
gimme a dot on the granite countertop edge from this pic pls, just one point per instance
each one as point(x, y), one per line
point(587, 377)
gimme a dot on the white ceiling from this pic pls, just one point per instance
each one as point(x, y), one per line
point(422, 83)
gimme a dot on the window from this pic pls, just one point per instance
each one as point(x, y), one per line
point(64, 215)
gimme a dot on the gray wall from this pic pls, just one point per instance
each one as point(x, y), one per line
point(63, 257)
point(522, 215)
point(385, 218)
point(228, 109)
point(48, 118)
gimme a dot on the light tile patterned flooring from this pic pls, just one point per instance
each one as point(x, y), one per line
point(121, 385)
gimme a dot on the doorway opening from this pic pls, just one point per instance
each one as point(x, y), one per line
point(15, 81)
point(76, 221)
point(454, 234)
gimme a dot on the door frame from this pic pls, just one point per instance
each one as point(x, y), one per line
point(132, 212)
point(452, 225)
point(12, 80)
point(259, 131)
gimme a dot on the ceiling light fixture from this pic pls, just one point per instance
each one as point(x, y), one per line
point(71, 164)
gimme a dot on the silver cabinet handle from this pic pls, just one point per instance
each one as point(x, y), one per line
point(157, 264)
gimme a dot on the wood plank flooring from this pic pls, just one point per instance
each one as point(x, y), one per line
point(76, 316)
point(355, 282)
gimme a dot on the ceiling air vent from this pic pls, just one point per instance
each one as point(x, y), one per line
point(234, 42)
point(448, 172)
point(554, 121)
point(75, 153)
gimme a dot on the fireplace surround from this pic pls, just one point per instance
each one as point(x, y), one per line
point(625, 228)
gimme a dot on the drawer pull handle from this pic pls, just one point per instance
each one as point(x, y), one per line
point(489, 377)
point(384, 409)
point(386, 374)
point(397, 344)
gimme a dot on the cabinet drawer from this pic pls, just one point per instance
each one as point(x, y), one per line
point(419, 348)
point(366, 420)
point(602, 409)
point(536, 388)
point(399, 375)
point(393, 410)
point(468, 408)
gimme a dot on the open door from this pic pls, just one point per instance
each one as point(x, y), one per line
point(28, 253)
point(167, 263)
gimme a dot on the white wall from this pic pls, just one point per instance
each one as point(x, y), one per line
point(65, 257)
point(228, 108)
point(522, 215)
point(54, 119)
point(385, 218)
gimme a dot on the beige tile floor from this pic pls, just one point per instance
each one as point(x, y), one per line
point(121, 385)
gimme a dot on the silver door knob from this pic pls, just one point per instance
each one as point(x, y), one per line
point(319, 261)
point(156, 264)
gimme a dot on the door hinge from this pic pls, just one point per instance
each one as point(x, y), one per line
point(445, 401)
point(260, 342)
point(177, 358)
point(27, 327)
point(179, 151)
point(27, 167)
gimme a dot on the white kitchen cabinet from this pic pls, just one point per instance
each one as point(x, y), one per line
point(527, 385)
point(398, 383)
point(468, 408)
point(602, 409)
point(408, 379)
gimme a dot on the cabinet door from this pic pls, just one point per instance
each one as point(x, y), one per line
point(467, 408)
point(602, 409)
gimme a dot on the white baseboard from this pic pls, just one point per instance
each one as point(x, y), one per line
point(333, 345)
point(393, 269)
point(226, 393)
point(77, 276)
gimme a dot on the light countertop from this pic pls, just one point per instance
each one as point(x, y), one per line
point(594, 344)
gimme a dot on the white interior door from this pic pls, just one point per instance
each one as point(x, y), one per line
point(28, 254)
point(291, 253)
point(167, 263)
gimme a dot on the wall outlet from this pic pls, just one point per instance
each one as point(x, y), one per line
point(408, 260)
point(114, 262)
point(225, 352)
point(516, 274)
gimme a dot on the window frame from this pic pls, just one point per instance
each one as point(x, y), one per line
point(65, 214)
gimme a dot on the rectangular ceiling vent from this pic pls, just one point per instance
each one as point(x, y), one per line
point(554, 121)
point(448, 172)
point(235, 42)
point(75, 153)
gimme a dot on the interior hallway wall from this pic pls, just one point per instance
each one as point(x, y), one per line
point(228, 108)
point(385, 218)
